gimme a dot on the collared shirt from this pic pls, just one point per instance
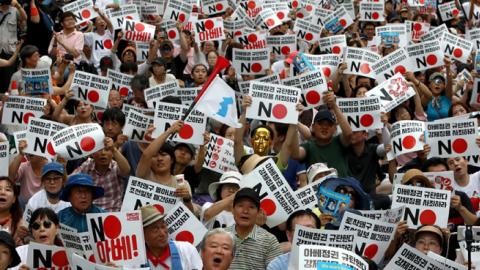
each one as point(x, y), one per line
point(189, 258)
point(74, 40)
point(256, 251)
point(280, 262)
point(111, 181)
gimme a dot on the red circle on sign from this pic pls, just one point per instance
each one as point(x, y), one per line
point(268, 207)
point(172, 34)
point(60, 259)
point(326, 71)
point(26, 117)
point(459, 146)
point(91, 258)
point(181, 17)
point(431, 59)
point(309, 8)
point(112, 227)
point(375, 15)
point(409, 142)
point(366, 120)
point(279, 111)
point(87, 143)
point(186, 132)
point(400, 69)
point(213, 164)
point(457, 52)
point(159, 208)
point(50, 149)
point(422, 1)
point(295, 4)
point(219, 141)
point(417, 26)
point(215, 157)
point(93, 96)
point(336, 50)
point(139, 27)
point(309, 36)
point(428, 217)
point(209, 24)
point(270, 22)
point(280, 15)
point(238, 33)
point(129, 17)
point(371, 251)
point(285, 50)
point(86, 14)
point(312, 97)
point(365, 68)
point(343, 22)
point(185, 236)
point(252, 38)
point(123, 91)
point(108, 43)
point(251, 4)
point(300, 15)
point(256, 67)
point(455, 12)
point(219, 7)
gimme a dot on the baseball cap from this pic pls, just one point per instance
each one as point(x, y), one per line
point(52, 167)
point(325, 115)
point(247, 193)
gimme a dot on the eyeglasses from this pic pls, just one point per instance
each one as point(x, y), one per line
point(53, 178)
point(46, 224)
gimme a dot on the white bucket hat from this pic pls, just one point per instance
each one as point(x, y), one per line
point(231, 177)
point(317, 168)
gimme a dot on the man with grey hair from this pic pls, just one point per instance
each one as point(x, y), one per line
point(217, 250)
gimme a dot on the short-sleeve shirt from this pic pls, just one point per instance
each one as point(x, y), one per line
point(333, 154)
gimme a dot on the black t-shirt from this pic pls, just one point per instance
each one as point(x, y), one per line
point(176, 67)
point(191, 176)
point(364, 167)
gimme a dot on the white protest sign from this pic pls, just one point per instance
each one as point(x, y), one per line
point(18, 109)
point(276, 196)
point(393, 33)
point(234, 28)
point(333, 44)
point(435, 33)
point(136, 125)
point(372, 11)
point(360, 61)
point(219, 156)
point(310, 236)
point(245, 85)
point(120, 82)
point(408, 257)
point(361, 113)
point(392, 92)
point(39, 133)
point(253, 40)
point(117, 16)
point(251, 7)
point(476, 11)
point(117, 237)
point(273, 102)
point(142, 50)
point(338, 20)
point(282, 45)
point(78, 141)
point(425, 55)
point(474, 36)
point(150, 9)
point(192, 130)
point(314, 257)
point(475, 98)
point(40, 256)
point(4, 158)
point(183, 225)
point(36, 81)
point(405, 137)
point(72, 242)
point(327, 63)
point(448, 264)
point(441, 180)
point(423, 206)
point(475, 251)
point(187, 94)
point(209, 30)
point(319, 15)
point(392, 216)
point(90, 88)
point(17, 137)
point(269, 18)
point(373, 236)
point(253, 62)
point(457, 47)
point(177, 10)
point(395, 62)
point(416, 30)
point(281, 9)
point(137, 31)
point(212, 7)
point(313, 85)
point(140, 192)
point(127, 108)
point(79, 263)
point(449, 11)
point(453, 137)
point(306, 30)
point(170, 28)
point(159, 91)
point(82, 10)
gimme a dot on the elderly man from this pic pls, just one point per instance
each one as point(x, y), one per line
point(217, 250)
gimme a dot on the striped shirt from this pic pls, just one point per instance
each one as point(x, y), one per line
point(280, 262)
point(256, 251)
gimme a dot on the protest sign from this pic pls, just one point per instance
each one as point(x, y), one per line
point(282, 45)
point(117, 237)
point(435, 33)
point(475, 251)
point(212, 7)
point(39, 133)
point(330, 202)
point(78, 141)
point(405, 137)
point(408, 257)
point(360, 61)
point(449, 11)
point(327, 63)
point(372, 11)
point(452, 137)
point(127, 108)
point(423, 206)
point(361, 113)
point(177, 10)
point(170, 29)
point(314, 257)
point(209, 29)
point(183, 225)
point(395, 62)
point(311, 236)
point(117, 16)
point(219, 156)
point(416, 30)
point(269, 18)
point(281, 9)
point(4, 158)
point(476, 11)
point(392, 92)
point(120, 82)
point(136, 125)
point(245, 85)
point(333, 44)
point(142, 50)
point(373, 236)
point(306, 30)
point(429, 7)
point(17, 137)
point(18, 109)
point(253, 40)
point(456, 47)
point(137, 31)
point(448, 264)
point(240, 14)
point(253, 62)
point(192, 130)
point(79, 263)
point(251, 7)
point(475, 98)
point(392, 216)
point(439, 180)
point(150, 9)
point(91, 89)
point(73, 243)
point(425, 55)
point(319, 14)
point(40, 256)
point(276, 196)
point(82, 10)
point(313, 85)
point(234, 28)
point(187, 94)
point(36, 81)
point(159, 91)
point(273, 102)
point(395, 33)
point(140, 192)
point(307, 195)
point(338, 20)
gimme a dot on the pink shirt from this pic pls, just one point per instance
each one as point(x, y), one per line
point(29, 182)
point(74, 40)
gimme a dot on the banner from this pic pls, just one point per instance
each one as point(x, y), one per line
point(18, 109)
point(120, 82)
point(141, 192)
point(251, 62)
point(306, 30)
point(449, 11)
point(282, 45)
point(360, 61)
point(314, 257)
point(338, 20)
point(405, 137)
point(453, 137)
point(91, 89)
point(78, 141)
point(82, 10)
point(36, 81)
point(408, 257)
point(40, 256)
point(219, 156)
point(456, 47)
point(117, 16)
point(362, 113)
point(392, 92)
point(39, 133)
point(183, 225)
point(136, 125)
point(395, 62)
point(177, 10)
point(392, 216)
point(372, 11)
point(209, 30)
point(423, 206)
point(425, 55)
point(159, 91)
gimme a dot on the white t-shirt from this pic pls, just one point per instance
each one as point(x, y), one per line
point(473, 187)
point(22, 252)
point(222, 220)
point(38, 200)
point(188, 254)
point(101, 45)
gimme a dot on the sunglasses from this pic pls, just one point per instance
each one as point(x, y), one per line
point(46, 224)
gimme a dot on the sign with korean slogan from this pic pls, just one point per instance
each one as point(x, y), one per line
point(170, 28)
point(276, 196)
point(192, 130)
point(137, 31)
point(448, 264)
point(373, 236)
point(117, 16)
point(39, 133)
point(372, 11)
point(142, 50)
point(333, 44)
point(327, 63)
point(36, 81)
point(78, 141)
point(4, 158)
point(441, 180)
point(311, 236)
point(90, 88)
point(282, 45)
point(306, 30)
point(449, 11)
point(393, 215)
point(209, 30)
point(452, 138)
point(435, 33)
point(40, 256)
point(251, 62)
point(136, 125)
point(273, 102)
point(338, 20)
point(212, 7)
point(474, 36)
point(405, 137)
point(219, 156)
point(360, 62)
point(361, 113)
point(408, 257)
point(159, 91)
point(72, 242)
point(253, 40)
point(120, 82)
point(457, 47)
point(423, 206)
point(392, 92)
point(140, 192)
point(314, 257)
point(82, 10)
point(187, 94)
point(183, 225)
point(395, 62)
point(269, 18)
point(319, 15)
point(314, 86)
point(177, 10)
point(245, 85)
point(18, 109)
point(416, 30)
point(425, 55)
point(395, 33)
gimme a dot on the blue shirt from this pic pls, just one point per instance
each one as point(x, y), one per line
point(438, 109)
point(294, 168)
point(69, 217)
point(280, 262)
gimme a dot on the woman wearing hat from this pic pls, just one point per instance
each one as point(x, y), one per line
point(159, 73)
point(8, 255)
point(219, 214)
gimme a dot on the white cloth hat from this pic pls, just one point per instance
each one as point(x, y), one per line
point(317, 168)
point(231, 177)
